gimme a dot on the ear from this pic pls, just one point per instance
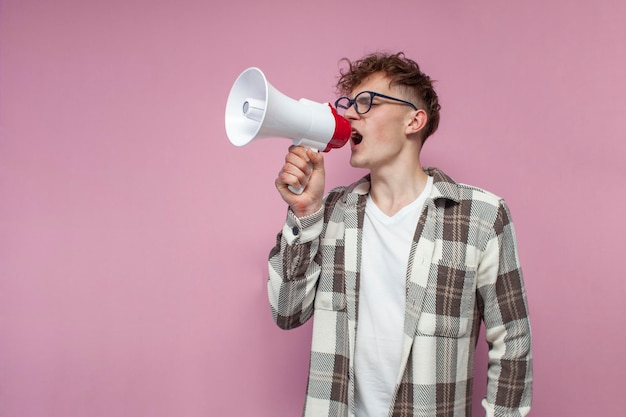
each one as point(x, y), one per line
point(417, 122)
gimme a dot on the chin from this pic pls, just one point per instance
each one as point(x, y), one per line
point(355, 163)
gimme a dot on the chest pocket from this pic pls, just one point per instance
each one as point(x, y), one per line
point(331, 285)
point(449, 300)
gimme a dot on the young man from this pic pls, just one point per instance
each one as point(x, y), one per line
point(399, 268)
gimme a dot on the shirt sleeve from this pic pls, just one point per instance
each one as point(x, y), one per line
point(507, 325)
point(293, 273)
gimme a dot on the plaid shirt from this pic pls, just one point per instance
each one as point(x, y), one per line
point(463, 269)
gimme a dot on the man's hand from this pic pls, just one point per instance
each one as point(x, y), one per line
point(303, 168)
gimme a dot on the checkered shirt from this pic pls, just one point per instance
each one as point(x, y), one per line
point(463, 270)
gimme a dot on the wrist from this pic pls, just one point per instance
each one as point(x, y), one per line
point(307, 211)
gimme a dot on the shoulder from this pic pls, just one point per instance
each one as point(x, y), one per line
point(341, 193)
point(473, 193)
point(447, 188)
point(346, 201)
point(468, 200)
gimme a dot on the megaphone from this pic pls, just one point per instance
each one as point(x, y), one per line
point(256, 110)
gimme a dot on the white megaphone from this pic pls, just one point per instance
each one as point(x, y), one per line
point(255, 110)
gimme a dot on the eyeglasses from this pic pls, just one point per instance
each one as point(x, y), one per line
point(363, 102)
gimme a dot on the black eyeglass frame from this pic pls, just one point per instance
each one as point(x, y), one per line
point(353, 101)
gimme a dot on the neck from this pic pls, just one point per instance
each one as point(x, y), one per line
point(393, 190)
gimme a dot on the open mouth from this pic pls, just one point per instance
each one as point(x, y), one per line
point(356, 137)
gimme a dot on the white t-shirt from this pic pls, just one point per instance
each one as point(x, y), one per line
point(379, 337)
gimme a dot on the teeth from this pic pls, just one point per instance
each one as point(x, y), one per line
point(356, 137)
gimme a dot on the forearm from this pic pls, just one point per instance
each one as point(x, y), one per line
point(509, 386)
point(508, 332)
point(293, 272)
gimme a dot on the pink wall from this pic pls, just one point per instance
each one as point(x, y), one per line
point(133, 235)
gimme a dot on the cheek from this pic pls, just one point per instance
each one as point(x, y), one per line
point(390, 131)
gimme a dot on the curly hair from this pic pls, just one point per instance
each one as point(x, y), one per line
point(403, 72)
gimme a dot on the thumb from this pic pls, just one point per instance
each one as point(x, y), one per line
point(317, 160)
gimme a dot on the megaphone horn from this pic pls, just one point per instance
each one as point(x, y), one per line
point(255, 110)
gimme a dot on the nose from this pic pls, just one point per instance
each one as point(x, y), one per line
point(350, 113)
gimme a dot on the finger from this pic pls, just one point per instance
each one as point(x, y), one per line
point(316, 159)
point(299, 158)
point(295, 162)
point(294, 176)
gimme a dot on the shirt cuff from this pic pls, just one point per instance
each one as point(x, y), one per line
point(303, 229)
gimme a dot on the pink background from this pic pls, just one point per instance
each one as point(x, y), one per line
point(133, 235)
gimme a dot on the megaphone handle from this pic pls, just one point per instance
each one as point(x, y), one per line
point(299, 191)
point(296, 190)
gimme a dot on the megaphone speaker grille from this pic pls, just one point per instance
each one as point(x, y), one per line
point(246, 106)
